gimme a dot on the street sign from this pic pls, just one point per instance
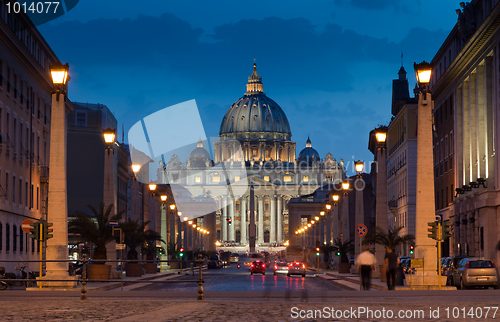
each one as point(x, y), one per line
point(361, 230)
point(25, 226)
point(417, 263)
point(120, 246)
point(114, 223)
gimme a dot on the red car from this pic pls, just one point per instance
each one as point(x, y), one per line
point(258, 267)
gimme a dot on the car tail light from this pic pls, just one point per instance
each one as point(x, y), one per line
point(263, 265)
point(291, 264)
point(251, 265)
point(303, 265)
point(275, 267)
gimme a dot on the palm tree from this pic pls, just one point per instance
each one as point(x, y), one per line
point(149, 246)
point(391, 239)
point(134, 236)
point(95, 229)
point(344, 248)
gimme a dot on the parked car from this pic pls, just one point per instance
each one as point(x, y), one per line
point(448, 267)
point(296, 268)
point(258, 267)
point(476, 272)
point(214, 262)
point(280, 268)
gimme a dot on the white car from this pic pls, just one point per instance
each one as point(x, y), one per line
point(296, 268)
point(234, 258)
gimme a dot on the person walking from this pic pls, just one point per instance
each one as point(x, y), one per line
point(391, 262)
point(365, 263)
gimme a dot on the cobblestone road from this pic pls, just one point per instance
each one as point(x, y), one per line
point(148, 309)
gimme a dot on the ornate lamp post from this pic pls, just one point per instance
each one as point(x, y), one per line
point(109, 188)
point(57, 212)
point(381, 191)
point(164, 232)
point(335, 218)
point(425, 206)
point(328, 233)
point(344, 233)
point(360, 218)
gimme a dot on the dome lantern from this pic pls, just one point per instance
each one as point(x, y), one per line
point(254, 84)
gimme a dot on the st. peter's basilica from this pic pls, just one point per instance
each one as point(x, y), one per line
point(254, 146)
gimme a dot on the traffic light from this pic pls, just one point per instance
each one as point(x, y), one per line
point(181, 252)
point(433, 230)
point(317, 251)
point(160, 251)
point(35, 231)
point(47, 230)
point(412, 248)
point(229, 221)
point(446, 228)
point(338, 252)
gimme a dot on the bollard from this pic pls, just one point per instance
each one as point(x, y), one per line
point(200, 279)
point(83, 296)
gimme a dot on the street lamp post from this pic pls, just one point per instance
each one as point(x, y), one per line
point(57, 212)
point(425, 206)
point(344, 232)
point(172, 225)
point(109, 188)
point(164, 233)
point(328, 233)
point(381, 192)
point(335, 217)
point(360, 218)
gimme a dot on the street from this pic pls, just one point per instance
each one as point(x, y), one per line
point(231, 278)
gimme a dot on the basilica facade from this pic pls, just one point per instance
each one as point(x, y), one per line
point(254, 148)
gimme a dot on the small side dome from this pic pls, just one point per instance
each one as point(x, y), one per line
point(308, 155)
point(200, 157)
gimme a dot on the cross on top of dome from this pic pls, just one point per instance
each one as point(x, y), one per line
point(254, 84)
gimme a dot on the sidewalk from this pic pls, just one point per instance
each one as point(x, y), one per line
point(129, 283)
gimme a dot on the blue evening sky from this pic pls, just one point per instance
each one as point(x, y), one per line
point(328, 64)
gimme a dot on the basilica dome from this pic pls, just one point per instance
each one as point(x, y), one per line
point(308, 155)
point(255, 115)
point(199, 157)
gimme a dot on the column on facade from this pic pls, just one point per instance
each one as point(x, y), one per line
point(473, 127)
point(231, 216)
point(223, 221)
point(279, 219)
point(243, 221)
point(286, 152)
point(272, 231)
point(275, 151)
point(466, 133)
point(260, 230)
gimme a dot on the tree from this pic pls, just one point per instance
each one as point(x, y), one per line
point(344, 248)
point(95, 229)
point(172, 250)
point(134, 236)
point(390, 239)
point(149, 246)
point(327, 249)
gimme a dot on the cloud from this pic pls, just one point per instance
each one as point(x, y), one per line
point(398, 5)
